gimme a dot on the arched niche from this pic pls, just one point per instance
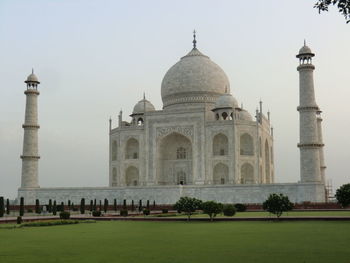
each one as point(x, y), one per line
point(247, 174)
point(132, 176)
point(132, 149)
point(114, 175)
point(246, 144)
point(174, 160)
point(267, 163)
point(220, 174)
point(220, 145)
point(114, 150)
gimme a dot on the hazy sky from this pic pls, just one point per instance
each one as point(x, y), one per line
point(94, 58)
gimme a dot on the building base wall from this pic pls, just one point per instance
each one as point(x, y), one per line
point(297, 193)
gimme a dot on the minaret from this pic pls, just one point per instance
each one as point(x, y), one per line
point(309, 142)
point(30, 157)
point(320, 140)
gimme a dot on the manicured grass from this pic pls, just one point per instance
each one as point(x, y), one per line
point(126, 241)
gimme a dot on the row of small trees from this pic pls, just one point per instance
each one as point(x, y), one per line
point(276, 204)
point(53, 207)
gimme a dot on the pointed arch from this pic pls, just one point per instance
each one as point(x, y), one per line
point(246, 144)
point(220, 144)
point(247, 174)
point(220, 174)
point(174, 160)
point(114, 150)
point(267, 162)
point(132, 176)
point(132, 149)
point(114, 175)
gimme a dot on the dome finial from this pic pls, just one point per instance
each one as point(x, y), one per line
point(194, 39)
point(144, 95)
point(32, 70)
point(304, 42)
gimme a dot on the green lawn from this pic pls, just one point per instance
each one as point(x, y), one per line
point(126, 241)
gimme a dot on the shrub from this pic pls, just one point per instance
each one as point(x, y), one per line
point(21, 207)
point(188, 205)
point(62, 207)
point(146, 212)
point(51, 223)
point(277, 204)
point(2, 208)
point(96, 213)
point(240, 207)
point(75, 209)
point(124, 212)
point(29, 210)
point(19, 220)
point(229, 210)
point(64, 215)
point(343, 195)
point(165, 211)
point(82, 206)
point(211, 208)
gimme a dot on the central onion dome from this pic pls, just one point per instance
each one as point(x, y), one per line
point(194, 79)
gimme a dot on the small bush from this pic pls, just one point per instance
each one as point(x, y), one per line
point(124, 212)
point(229, 210)
point(146, 212)
point(19, 220)
point(240, 207)
point(96, 213)
point(165, 211)
point(30, 210)
point(50, 223)
point(64, 215)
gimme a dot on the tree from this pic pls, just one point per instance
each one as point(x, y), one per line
point(124, 204)
point(147, 205)
point(69, 205)
point(343, 195)
point(132, 205)
point(212, 208)
point(62, 207)
point(54, 208)
point(277, 204)
point(105, 205)
point(342, 5)
point(115, 204)
point(2, 206)
point(91, 205)
point(7, 206)
point(140, 205)
point(49, 208)
point(37, 206)
point(188, 205)
point(21, 207)
point(82, 206)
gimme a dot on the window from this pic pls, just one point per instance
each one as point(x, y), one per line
point(181, 153)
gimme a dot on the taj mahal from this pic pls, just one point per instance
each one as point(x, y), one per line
point(202, 143)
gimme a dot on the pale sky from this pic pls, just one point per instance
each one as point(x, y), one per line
point(94, 58)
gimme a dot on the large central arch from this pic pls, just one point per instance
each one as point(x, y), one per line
point(174, 160)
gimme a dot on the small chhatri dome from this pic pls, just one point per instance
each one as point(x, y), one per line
point(226, 101)
point(143, 106)
point(32, 78)
point(305, 51)
point(245, 115)
point(194, 80)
